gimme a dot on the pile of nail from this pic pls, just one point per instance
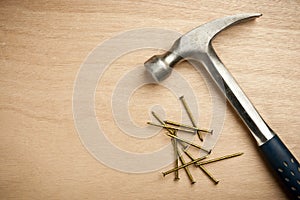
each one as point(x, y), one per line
point(172, 129)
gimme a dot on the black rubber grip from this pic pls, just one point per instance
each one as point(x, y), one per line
point(284, 164)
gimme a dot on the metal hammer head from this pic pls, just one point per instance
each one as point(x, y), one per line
point(193, 43)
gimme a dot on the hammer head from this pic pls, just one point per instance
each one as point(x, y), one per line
point(191, 45)
point(158, 68)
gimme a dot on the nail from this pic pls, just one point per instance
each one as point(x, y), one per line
point(157, 118)
point(169, 127)
point(202, 168)
point(187, 126)
point(219, 159)
point(208, 174)
point(186, 169)
point(189, 113)
point(161, 122)
point(176, 160)
point(187, 109)
point(174, 142)
point(185, 165)
point(188, 142)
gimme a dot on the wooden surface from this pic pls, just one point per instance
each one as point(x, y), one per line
point(43, 44)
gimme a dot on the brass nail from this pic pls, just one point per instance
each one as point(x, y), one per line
point(188, 142)
point(199, 136)
point(169, 127)
point(174, 142)
point(187, 109)
point(189, 113)
point(189, 155)
point(202, 168)
point(186, 169)
point(208, 174)
point(219, 159)
point(185, 165)
point(187, 126)
point(161, 122)
point(157, 118)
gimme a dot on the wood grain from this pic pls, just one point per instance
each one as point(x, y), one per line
point(43, 44)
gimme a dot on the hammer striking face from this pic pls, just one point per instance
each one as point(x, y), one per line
point(196, 45)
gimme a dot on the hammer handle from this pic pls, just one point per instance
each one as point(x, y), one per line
point(280, 159)
point(284, 164)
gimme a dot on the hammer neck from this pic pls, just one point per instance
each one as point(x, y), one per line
point(171, 58)
point(240, 102)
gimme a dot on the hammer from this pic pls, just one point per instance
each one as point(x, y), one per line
point(197, 45)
